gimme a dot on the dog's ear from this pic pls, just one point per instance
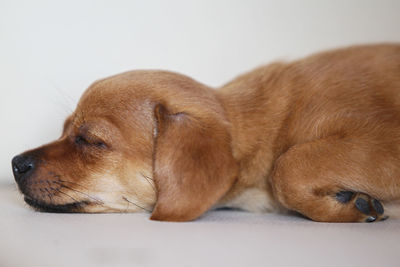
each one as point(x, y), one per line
point(193, 165)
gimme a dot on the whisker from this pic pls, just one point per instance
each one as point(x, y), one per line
point(147, 179)
point(127, 206)
point(66, 97)
point(124, 198)
point(66, 194)
point(85, 194)
point(62, 181)
point(49, 195)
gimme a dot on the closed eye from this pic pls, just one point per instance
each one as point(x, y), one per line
point(81, 140)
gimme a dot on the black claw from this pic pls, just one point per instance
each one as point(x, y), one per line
point(344, 196)
point(384, 218)
point(362, 205)
point(377, 206)
point(370, 219)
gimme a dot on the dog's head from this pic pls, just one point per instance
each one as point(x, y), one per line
point(142, 140)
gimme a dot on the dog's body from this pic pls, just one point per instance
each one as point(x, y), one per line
point(320, 136)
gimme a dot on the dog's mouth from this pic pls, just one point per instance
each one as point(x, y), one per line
point(74, 207)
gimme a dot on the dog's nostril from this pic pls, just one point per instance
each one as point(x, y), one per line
point(22, 164)
point(23, 168)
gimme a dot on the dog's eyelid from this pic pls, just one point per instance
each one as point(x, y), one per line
point(100, 144)
point(83, 140)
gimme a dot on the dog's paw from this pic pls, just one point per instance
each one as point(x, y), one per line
point(370, 209)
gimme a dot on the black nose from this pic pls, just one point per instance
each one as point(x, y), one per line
point(22, 166)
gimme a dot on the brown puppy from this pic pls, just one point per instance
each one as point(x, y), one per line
point(320, 136)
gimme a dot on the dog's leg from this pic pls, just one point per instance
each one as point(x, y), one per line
point(337, 180)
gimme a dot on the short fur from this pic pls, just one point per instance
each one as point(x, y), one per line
point(287, 136)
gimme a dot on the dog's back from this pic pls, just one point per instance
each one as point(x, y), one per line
point(352, 94)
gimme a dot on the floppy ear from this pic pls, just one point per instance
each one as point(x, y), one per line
point(193, 165)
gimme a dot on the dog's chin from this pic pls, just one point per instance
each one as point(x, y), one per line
point(75, 207)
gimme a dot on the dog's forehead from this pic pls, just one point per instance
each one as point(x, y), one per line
point(121, 90)
point(137, 92)
point(145, 84)
point(113, 95)
point(124, 100)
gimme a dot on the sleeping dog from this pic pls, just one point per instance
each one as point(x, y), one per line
point(319, 136)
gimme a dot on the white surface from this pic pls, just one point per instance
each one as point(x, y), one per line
point(220, 238)
point(50, 51)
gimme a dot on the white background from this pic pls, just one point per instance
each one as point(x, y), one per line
point(50, 51)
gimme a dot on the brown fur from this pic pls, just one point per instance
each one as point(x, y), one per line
point(284, 136)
